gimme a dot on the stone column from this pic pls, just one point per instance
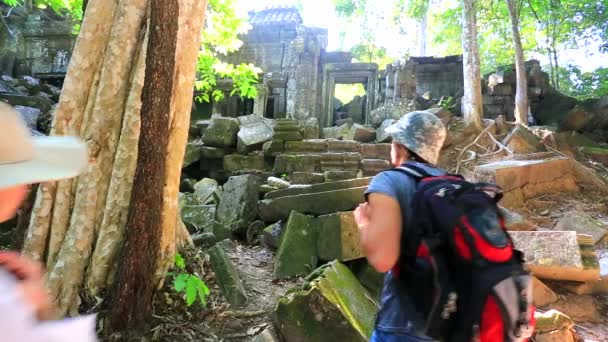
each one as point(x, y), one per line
point(259, 103)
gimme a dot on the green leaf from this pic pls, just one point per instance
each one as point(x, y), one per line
point(180, 282)
point(191, 290)
point(180, 263)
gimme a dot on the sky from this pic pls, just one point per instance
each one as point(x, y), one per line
point(320, 13)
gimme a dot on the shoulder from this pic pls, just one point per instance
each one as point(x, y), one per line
point(392, 183)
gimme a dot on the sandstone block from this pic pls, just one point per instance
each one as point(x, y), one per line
point(273, 148)
point(252, 136)
point(336, 307)
point(522, 141)
point(193, 152)
point(297, 253)
point(227, 276)
point(372, 167)
point(288, 163)
point(543, 295)
point(329, 186)
point(442, 113)
point(339, 237)
point(375, 151)
point(381, 135)
point(237, 162)
point(582, 223)
point(307, 178)
point(321, 203)
point(363, 133)
point(207, 191)
point(342, 146)
point(208, 152)
point(306, 146)
point(558, 255)
point(523, 179)
point(238, 206)
point(198, 218)
point(577, 119)
point(222, 132)
point(332, 176)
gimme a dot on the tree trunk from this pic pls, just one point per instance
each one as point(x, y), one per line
point(472, 102)
point(78, 226)
point(132, 299)
point(521, 95)
point(422, 35)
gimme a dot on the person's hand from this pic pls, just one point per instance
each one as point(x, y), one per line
point(30, 276)
point(362, 215)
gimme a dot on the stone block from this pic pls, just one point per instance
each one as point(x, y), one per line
point(40, 102)
point(515, 222)
point(30, 115)
point(339, 237)
point(198, 218)
point(238, 206)
point(321, 203)
point(253, 136)
point(288, 136)
point(335, 307)
point(310, 128)
point(552, 320)
point(371, 279)
point(521, 140)
point(372, 167)
point(564, 335)
point(254, 231)
point(363, 133)
point(558, 255)
point(332, 176)
point(579, 308)
point(342, 146)
point(381, 135)
point(576, 119)
point(542, 294)
point(222, 132)
point(227, 277)
point(306, 146)
point(502, 90)
point(273, 148)
point(278, 183)
point(193, 152)
point(338, 132)
point(288, 163)
point(250, 119)
point(307, 178)
point(207, 191)
point(268, 335)
point(597, 287)
point(271, 235)
point(329, 186)
point(297, 253)
point(582, 223)
point(523, 179)
point(237, 162)
point(375, 151)
point(208, 152)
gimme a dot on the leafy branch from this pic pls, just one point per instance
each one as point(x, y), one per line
point(190, 285)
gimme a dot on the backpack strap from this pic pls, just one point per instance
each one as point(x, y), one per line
point(412, 170)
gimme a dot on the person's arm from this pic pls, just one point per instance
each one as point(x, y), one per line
point(379, 223)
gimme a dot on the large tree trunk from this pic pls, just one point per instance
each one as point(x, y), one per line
point(132, 299)
point(78, 226)
point(472, 101)
point(521, 94)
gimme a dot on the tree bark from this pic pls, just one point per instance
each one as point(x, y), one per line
point(132, 298)
point(521, 94)
point(472, 102)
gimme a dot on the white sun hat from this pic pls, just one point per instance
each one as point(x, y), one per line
point(25, 159)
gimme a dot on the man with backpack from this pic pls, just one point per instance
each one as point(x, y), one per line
point(451, 273)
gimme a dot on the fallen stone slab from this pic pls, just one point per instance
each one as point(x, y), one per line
point(237, 162)
point(375, 151)
point(307, 177)
point(198, 218)
point(297, 253)
point(372, 280)
point(222, 132)
point(238, 206)
point(288, 136)
point(558, 255)
point(340, 161)
point(321, 203)
point(335, 307)
point(193, 152)
point(363, 133)
point(271, 235)
point(207, 191)
point(598, 287)
point(521, 140)
point(227, 276)
point(515, 222)
point(524, 179)
point(442, 113)
point(329, 186)
point(339, 237)
point(253, 136)
point(543, 295)
point(278, 183)
point(306, 146)
point(582, 223)
point(339, 132)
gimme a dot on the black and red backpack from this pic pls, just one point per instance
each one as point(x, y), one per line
point(458, 263)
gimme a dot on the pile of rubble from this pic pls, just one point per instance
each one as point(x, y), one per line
point(294, 193)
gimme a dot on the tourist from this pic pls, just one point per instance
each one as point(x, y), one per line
point(25, 308)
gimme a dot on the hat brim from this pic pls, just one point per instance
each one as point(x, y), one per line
point(55, 158)
point(392, 129)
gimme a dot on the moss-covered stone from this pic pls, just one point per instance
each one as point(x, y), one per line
point(198, 218)
point(238, 162)
point(193, 152)
point(297, 253)
point(339, 237)
point(273, 148)
point(227, 276)
point(335, 307)
point(222, 132)
point(238, 206)
point(207, 191)
point(371, 279)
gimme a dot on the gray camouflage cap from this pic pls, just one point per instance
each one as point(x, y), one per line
point(420, 132)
